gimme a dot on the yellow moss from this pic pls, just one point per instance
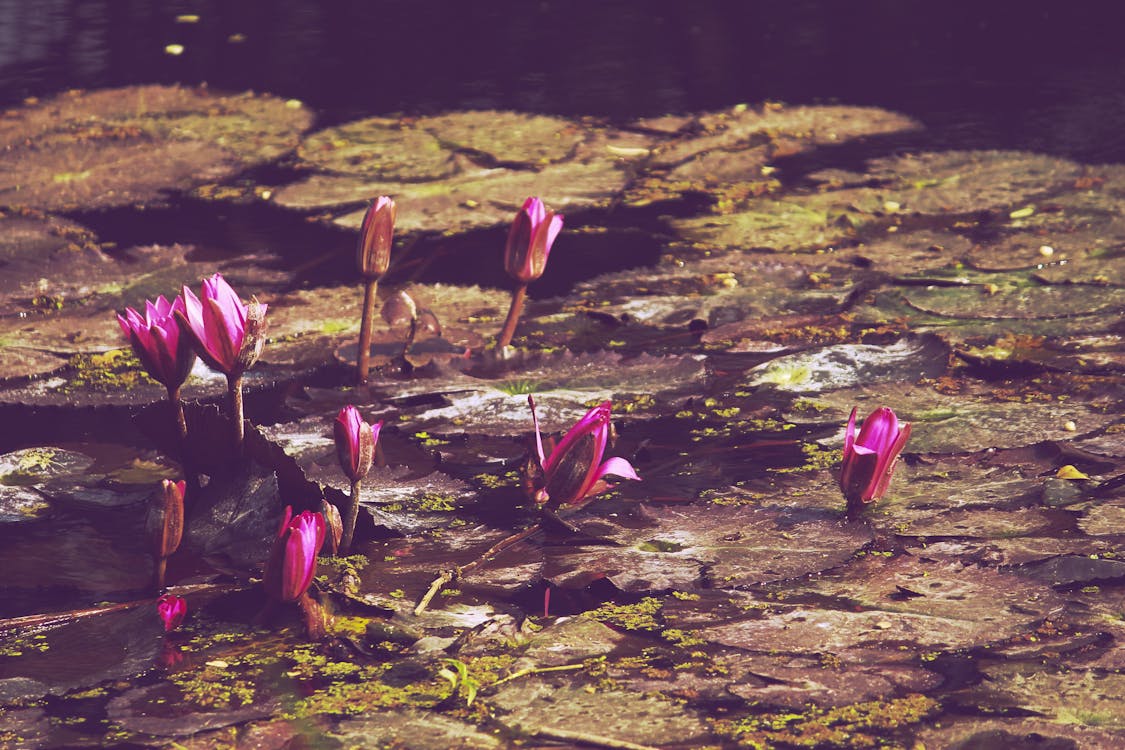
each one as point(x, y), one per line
point(639, 616)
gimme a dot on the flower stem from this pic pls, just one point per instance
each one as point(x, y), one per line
point(158, 573)
point(234, 387)
point(363, 363)
point(514, 311)
point(349, 521)
point(190, 474)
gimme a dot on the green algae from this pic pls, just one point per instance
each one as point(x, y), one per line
point(859, 725)
point(640, 616)
point(115, 370)
point(375, 687)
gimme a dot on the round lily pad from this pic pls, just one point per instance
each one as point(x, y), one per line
point(506, 137)
point(127, 146)
point(377, 148)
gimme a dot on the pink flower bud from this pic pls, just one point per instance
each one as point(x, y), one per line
point(869, 458)
point(529, 241)
point(172, 610)
point(292, 562)
point(355, 442)
point(226, 334)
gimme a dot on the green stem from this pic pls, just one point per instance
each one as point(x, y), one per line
point(158, 573)
point(363, 363)
point(350, 520)
point(514, 311)
point(190, 474)
point(234, 386)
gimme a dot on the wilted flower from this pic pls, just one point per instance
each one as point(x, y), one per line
point(529, 241)
point(355, 442)
point(227, 334)
point(373, 255)
point(572, 470)
point(869, 458)
point(166, 518)
point(292, 560)
point(155, 337)
point(172, 610)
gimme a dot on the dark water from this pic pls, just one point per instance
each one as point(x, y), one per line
point(1044, 76)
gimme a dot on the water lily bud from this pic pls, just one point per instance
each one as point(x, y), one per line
point(165, 353)
point(335, 526)
point(355, 442)
point(217, 325)
point(870, 457)
point(171, 610)
point(292, 562)
point(373, 255)
point(530, 239)
point(165, 522)
point(572, 471)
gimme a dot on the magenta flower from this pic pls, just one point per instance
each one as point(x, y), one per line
point(573, 470)
point(165, 354)
point(292, 560)
point(869, 458)
point(172, 610)
point(219, 324)
point(355, 442)
point(529, 241)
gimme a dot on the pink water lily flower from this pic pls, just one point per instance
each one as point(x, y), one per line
point(355, 442)
point(292, 562)
point(218, 326)
point(530, 239)
point(172, 610)
point(573, 470)
point(869, 458)
point(155, 337)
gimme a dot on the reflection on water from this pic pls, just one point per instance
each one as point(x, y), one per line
point(1035, 79)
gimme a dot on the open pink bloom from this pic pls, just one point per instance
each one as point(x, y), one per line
point(355, 442)
point(165, 354)
point(171, 610)
point(217, 324)
point(572, 470)
point(292, 560)
point(869, 458)
point(529, 241)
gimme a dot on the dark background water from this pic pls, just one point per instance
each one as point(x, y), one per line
point(1046, 76)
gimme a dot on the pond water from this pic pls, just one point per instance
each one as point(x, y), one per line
point(930, 221)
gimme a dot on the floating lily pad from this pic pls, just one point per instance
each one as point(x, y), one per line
point(540, 708)
point(378, 148)
point(850, 364)
point(735, 545)
point(1082, 697)
point(414, 729)
point(787, 128)
point(1024, 733)
point(901, 601)
point(965, 181)
point(507, 137)
point(1009, 299)
point(124, 146)
point(804, 223)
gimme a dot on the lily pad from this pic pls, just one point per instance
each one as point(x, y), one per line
point(128, 146)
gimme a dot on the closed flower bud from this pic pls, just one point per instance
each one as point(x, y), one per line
point(165, 522)
point(292, 562)
point(355, 442)
point(171, 610)
point(870, 457)
point(334, 524)
point(226, 334)
point(530, 239)
point(373, 255)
